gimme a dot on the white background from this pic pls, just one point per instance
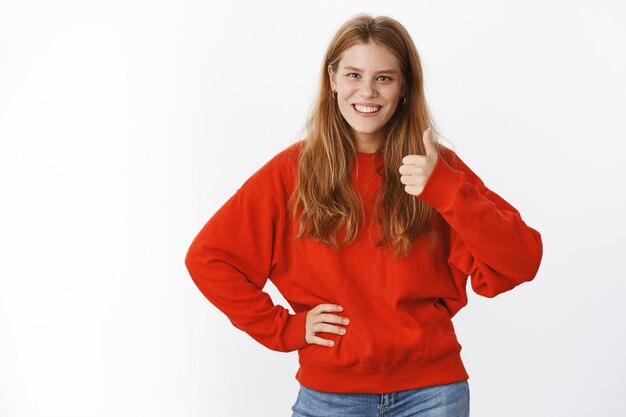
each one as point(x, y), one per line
point(124, 126)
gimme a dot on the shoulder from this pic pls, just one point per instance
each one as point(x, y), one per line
point(290, 154)
point(285, 159)
point(279, 171)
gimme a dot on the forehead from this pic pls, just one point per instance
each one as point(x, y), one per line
point(369, 57)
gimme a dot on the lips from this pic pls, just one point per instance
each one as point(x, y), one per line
point(366, 108)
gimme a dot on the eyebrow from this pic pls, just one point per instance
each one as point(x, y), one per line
point(386, 71)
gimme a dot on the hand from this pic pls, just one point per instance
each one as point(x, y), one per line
point(317, 321)
point(416, 169)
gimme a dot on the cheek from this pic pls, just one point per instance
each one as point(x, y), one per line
point(345, 89)
point(393, 104)
point(394, 94)
point(346, 110)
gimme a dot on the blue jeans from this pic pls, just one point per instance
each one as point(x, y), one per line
point(448, 400)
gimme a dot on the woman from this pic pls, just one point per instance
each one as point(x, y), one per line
point(370, 229)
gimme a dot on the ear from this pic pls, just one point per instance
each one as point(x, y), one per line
point(331, 75)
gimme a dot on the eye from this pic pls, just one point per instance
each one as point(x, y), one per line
point(384, 76)
point(352, 73)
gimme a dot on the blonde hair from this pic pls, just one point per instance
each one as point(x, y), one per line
point(324, 200)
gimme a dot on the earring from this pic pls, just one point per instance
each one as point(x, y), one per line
point(404, 100)
point(335, 94)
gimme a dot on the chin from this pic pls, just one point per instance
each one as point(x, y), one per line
point(368, 129)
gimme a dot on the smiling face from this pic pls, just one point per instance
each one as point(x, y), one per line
point(369, 86)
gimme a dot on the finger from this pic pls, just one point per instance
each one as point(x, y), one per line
point(327, 307)
point(328, 328)
point(408, 169)
point(412, 181)
point(419, 169)
point(413, 189)
point(413, 159)
point(333, 318)
point(428, 143)
point(316, 340)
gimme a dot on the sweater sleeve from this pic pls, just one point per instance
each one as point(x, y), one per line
point(489, 241)
point(230, 261)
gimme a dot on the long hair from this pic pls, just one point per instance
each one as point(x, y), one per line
point(324, 200)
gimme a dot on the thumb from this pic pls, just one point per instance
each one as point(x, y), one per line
point(428, 143)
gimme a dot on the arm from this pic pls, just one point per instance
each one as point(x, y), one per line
point(489, 240)
point(230, 261)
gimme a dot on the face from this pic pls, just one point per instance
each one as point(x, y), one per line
point(369, 86)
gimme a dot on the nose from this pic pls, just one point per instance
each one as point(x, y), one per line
point(367, 90)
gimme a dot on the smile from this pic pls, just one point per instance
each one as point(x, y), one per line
point(364, 109)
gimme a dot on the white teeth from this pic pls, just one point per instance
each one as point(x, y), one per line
point(363, 109)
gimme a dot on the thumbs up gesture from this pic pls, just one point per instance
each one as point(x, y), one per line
point(416, 169)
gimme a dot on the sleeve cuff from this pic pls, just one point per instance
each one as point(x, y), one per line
point(293, 337)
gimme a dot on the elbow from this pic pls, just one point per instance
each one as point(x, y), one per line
point(533, 258)
point(189, 258)
point(490, 289)
point(489, 282)
point(528, 265)
point(493, 283)
point(525, 265)
point(192, 260)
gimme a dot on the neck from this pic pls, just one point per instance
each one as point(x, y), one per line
point(367, 143)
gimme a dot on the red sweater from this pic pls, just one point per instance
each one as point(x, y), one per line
point(400, 334)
